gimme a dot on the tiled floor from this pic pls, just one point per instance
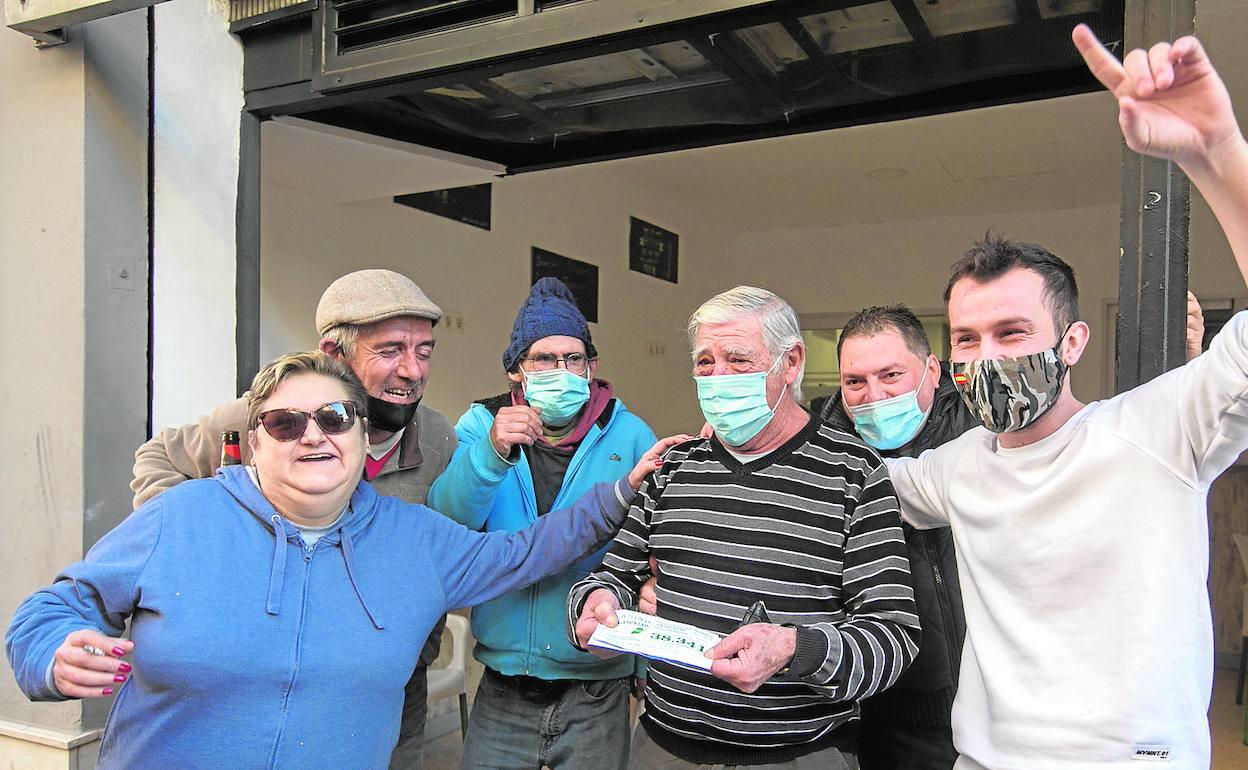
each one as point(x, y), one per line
point(1225, 718)
point(1226, 722)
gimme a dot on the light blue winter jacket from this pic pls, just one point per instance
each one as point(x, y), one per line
point(523, 631)
point(252, 650)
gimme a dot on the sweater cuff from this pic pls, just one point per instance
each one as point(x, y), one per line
point(49, 680)
point(624, 492)
point(809, 653)
point(512, 457)
point(576, 604)
point(489, 463)
point(577, 598)
point(46, 690)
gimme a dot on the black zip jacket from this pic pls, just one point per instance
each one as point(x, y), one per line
point(924, 693)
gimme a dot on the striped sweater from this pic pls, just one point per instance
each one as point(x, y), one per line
point(813, 530)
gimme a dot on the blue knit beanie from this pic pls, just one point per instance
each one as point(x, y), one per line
point(550, 310)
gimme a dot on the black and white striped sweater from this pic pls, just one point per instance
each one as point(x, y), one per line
point(813, 530)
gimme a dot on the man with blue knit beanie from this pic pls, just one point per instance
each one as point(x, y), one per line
point(555, 432)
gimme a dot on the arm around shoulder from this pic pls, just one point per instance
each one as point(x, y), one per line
point(920, 489)
point(191, 451)
point(476, 567)
point(869, 651)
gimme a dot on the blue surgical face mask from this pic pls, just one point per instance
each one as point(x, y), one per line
point(891, 422)
point(736, 405)
point(558, 393)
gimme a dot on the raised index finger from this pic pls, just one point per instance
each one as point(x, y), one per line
point(1100, 61)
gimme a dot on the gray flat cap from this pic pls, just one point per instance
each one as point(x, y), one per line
point(369, 296)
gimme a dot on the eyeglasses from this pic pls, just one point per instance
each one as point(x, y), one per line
point(289, 424)
point(576, 363)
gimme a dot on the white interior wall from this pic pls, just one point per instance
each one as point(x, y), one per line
point(484, 276)
point(843, 269)
point(898, 250)
point(583, 213)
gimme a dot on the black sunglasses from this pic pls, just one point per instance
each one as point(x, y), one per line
point(289, 424)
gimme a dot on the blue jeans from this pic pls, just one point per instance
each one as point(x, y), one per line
point(584, 728)
point(407, 752)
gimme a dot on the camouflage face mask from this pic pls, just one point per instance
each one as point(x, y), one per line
point(1009, 394)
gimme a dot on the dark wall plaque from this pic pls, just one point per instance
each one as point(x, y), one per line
point(580, 277)
point(470, 205)
point(652, 250)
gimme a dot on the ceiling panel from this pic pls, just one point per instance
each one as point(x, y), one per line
point(782, 68)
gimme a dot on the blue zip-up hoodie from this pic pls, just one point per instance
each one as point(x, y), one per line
point(252, 650)
point(522, 632)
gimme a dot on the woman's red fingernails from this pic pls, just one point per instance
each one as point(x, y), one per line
point(119, 678)
point(108, 691)
point(124, 668)
point(118, 651)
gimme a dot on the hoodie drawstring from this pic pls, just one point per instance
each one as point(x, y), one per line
point(274, 604)
point(277, 576)
point(348, 555)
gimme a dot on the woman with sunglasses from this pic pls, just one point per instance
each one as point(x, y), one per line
point(278, 609)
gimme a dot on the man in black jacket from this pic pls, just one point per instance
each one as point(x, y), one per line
point(896, 396)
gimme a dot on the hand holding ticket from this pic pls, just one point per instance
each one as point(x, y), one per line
point(656, 638)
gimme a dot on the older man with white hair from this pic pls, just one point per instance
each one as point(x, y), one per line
point(777, 508)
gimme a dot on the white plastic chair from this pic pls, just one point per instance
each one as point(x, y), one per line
point(453, 680)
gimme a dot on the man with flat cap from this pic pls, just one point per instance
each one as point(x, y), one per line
point(381, 324)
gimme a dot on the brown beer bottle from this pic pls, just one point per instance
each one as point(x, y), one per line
point(231, 453)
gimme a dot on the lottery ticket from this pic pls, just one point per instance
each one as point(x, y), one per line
point(656, 638)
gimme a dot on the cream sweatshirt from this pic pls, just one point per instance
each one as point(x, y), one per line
point(1083, 560)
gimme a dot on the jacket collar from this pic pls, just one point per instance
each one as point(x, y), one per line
point(410, 455)
point(945, 399)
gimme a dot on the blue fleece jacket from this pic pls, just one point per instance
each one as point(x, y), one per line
point(522, 632)
point(252, 650)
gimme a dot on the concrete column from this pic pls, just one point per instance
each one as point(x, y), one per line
point(73, 235)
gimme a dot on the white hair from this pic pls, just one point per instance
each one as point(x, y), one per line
point(345, 336)
point(781, 330)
